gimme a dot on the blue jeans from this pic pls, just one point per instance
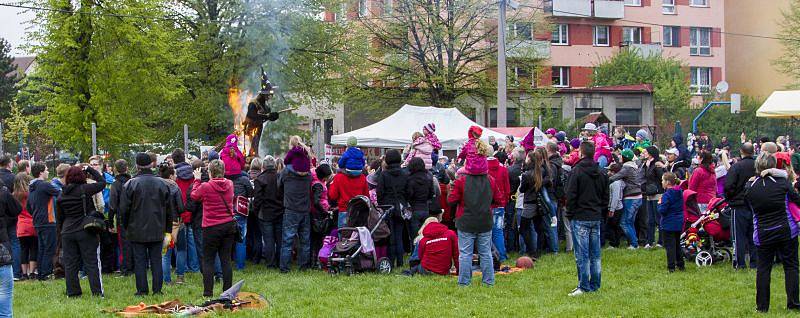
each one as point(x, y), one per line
point(652, 222)
point(271, 232)
point(240, 249)
point(466, 246)
point(181, 256)
point(524, 249)
point(192, 262)
point(498, 237)
point(47, 248)
point(16, 250)
point(6, 291)
point(552, 228)
point(296, 223)
point(629, 209)
point(586, 240)
point(342, 219)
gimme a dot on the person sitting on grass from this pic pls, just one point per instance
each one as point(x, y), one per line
point(671, 211)
point(352, 161)
point(437, 249)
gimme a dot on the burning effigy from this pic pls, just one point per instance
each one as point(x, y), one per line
point(249, 124)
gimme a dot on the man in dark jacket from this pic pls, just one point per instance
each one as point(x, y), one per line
point(147, 219)
point(742, 221)
point(268, 204)
point(7, 177)
point(391, 191)
point(114, 219)
point(41, 207)
point(676, 165)
point(558, 193)
point(587, 197)
point(296, 192)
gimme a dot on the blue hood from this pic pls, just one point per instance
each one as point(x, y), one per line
point(183, 171)
point(678, 139)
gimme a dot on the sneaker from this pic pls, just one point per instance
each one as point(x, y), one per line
point(576, 292)
point(179, 280)
point(633, 248)
point(658, 246)
point(647, 247)
point(610, 247)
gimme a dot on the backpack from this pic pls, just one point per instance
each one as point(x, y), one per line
point(561, 182)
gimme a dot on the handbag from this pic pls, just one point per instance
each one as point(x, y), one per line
point(94, 223)
point(323, 223)
point(241, 205)
point(238, 232)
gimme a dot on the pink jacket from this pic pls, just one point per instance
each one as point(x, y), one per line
point(323, 198)
point(233, 165)
point(603, 147)
point(476, 163)
point(421, 148)
point(704, 182)
point(434, 141)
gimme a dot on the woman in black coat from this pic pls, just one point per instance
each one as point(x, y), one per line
point(419, 191)
point(391, 190)
point(78, 245)
point(533, 213)
point(775, 230)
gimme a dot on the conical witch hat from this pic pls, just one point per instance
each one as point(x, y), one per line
point(231, 293)
point(266, 87)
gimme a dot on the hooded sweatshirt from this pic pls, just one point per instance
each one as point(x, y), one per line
point(235, 163)
point(500, 176)
point(185, 177)
point(344, 187)
point(211, 194)
point(438, 248)
point(474, 195)
point(683, 152)
point(671, 210)
point(587, 192)
point(40, 203)
point(352, 159)
point(298, 158)
point(704, 182)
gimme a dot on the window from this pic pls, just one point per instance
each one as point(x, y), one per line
point(700, 41)
point(637, 3)
point(362, 8)
point(632, 35)
point(560, 34)
point(668, 6)
point(512, 117)
point(522, 31)
point(583, 112)
point(671, 36)
point(560, 76)
point(628, 116)
point(701, 80)
point(699, 3)
point(601, 37)
point(522, 75)
point(388, 7)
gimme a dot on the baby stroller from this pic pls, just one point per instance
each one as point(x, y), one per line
point(355, 251)
point(705, 240)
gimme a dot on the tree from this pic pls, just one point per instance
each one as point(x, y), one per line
point(671, 94)
point(789, 61)
point(8, 81)
point(443, 49)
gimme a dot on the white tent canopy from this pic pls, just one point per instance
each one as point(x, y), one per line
point(395, 131)
point(781, 104)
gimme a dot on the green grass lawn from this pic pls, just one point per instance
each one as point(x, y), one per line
point(635, 284)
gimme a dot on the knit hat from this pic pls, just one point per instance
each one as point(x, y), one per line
point(372, 179)
point(642, 134)
point(561, 136)
point(352, 141)
point(231, 141)
point(392, 156)
point(653, 152)
point(475, 132)
point(323, 171)
point(143, 159)
point(431, 127)
point(510, 138)
point(268, 162)
point(551, 131)
point(575, 143)
point(213, 155)
point(627, 154)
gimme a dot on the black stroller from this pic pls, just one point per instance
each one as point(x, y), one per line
point(348, 256)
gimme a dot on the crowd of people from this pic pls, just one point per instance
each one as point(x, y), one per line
point(448, 216)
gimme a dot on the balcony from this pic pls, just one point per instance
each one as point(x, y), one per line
point(609, 9)
point(528, 49)
point(570, 8)
point(643, 50)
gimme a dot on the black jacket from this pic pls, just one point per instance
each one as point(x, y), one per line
point(528, 188)
point(9, 210)
point(242, 186)
point(74, 198)
point(772, 221)
point(514, 172)
point(196, 207)
point(680, 168)
point(587, 192)
point(267, 200)
point(114, 194)
point(419, 190)
point(7, 177)
point(557, 187)
point(391, 188)
point(651, 178)
point(296, 191)
point(737, 178)
point(145, 208)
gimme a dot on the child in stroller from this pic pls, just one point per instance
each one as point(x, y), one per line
point(355, 252)
point(705, 240)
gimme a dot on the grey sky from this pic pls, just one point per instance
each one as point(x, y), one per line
point(12, 27)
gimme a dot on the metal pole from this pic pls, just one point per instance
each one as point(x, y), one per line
point(540, 121)
point(703, 112)
point(501, 66)
point(2, 150)
point(94, 139)
point(186, 139)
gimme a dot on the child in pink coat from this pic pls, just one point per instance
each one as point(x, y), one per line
point(429, 131)
point(232, 156)
point(475, 152)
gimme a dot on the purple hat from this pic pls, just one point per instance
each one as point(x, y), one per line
point(561, 136)
point(551, 131)
point(575, 142)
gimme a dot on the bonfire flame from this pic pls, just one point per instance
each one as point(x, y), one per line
point(237, 101)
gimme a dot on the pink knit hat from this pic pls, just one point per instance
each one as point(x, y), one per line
point(431, 127)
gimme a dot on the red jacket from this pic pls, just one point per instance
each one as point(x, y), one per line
point(211, 193)
point(344, 187)
point(500, 175)
point(438, 248)
point(457, 195)
point(184, 184)
point(704, 182)
point(25, 222)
